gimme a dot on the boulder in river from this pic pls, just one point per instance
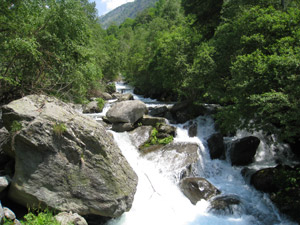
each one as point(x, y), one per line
point(193, 129)
point(243, 150)
point(92, 107)
point(264, 180)
point(140, 135)
point(121, 127)
point(66, 161)
point(173, 157)
point(125, 97)
point(152, 121)
point(196, 188)
point(216, 146)
point(105, 96)
point(158, 111)
point(282, 183)
point(126, 111)
point(226, 205)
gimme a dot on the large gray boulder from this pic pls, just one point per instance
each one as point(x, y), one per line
point(216, 146)
point(126, 111)
point(197, 188)
point(66, 161)
point(243, 150)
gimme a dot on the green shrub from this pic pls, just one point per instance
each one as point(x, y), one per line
point(111, 88)
point(45, 217)
point(166, 140)
point(16, 126)
point(100, 103)
point(154, 140)
point(59, 129)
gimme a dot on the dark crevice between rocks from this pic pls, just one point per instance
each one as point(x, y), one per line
point(96, 220)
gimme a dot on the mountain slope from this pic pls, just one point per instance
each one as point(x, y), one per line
point(128, 10)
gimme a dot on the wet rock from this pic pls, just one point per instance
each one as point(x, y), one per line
point(167, 129)
point(196, 188)
point(193, 130)
point(126, 111)
point(282, 183)
point(4, 182)
point(106, 96)
point(151, 148)
point(66, 218)
point(187, 172)
point(125, 97)
point(180, 106)
point(152, 121)
point(243, 150)
point(176, 156)
point(9, 214)
point(158, 111)
point(226, 205)
point(216, 146)
point(264, 180)
point(92, 107)
point(140, 135)
point(75, 167)
point(121, 127)
point(116, 95)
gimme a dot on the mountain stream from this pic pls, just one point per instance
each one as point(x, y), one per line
point(159, 201)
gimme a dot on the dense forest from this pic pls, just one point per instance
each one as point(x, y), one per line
point(243, 55)
point(53, 47)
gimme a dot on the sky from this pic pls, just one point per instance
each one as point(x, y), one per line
point(104, 6)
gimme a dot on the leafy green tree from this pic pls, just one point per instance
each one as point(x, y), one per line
point(205, 14)
point(263, 79)
point(46, 48)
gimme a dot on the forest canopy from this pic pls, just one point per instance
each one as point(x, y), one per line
point(52, 47)
point(243, 55)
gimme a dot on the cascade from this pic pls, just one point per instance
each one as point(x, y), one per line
point(159, 201)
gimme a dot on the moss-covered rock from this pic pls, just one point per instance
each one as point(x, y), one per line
point(283, 184)
point(80, 170)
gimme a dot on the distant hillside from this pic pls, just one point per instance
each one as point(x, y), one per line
point(128, 10)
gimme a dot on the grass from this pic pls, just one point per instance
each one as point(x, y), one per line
point(59, 128)
point(15, 126)
point(100, 103)
point(45, 217)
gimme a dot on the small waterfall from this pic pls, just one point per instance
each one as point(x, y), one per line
point(158, 200)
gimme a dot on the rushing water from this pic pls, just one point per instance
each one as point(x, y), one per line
point(158, 200)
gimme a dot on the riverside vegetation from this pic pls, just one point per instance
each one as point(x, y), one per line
point(239, 54)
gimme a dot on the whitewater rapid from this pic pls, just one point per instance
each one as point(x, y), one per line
point(158, 200)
